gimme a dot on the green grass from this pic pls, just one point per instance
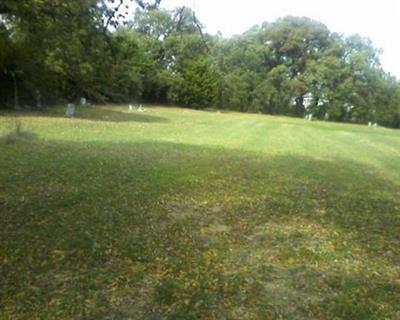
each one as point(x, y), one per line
point(182, 214)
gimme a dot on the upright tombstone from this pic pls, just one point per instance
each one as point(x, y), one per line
point(71, 110)
point(307, 100)
point(83, 101)
point(369, 124)
point(130, 108)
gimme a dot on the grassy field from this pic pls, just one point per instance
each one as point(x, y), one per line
point(182, 214)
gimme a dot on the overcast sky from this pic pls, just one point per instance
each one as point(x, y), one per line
point(378, 20)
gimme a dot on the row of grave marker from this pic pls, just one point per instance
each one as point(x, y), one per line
point(71, 108)
point(139, 108)
point(309, 117)
point(71, 111)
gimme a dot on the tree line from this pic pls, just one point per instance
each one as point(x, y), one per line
point(55, 51)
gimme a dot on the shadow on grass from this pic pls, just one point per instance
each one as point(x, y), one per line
point(188, 232)
point(18, 137)
point(94, 114)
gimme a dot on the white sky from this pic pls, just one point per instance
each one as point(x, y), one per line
point(378, 20)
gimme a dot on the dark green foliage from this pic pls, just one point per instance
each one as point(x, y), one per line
point(195, 86)
point(294, 66)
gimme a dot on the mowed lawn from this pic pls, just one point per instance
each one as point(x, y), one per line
point(183, 214)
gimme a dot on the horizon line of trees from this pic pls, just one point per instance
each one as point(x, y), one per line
point(53, 51)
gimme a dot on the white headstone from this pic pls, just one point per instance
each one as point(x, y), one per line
point(307, 100)
point(369, 124)
point(130, 108)
point(71, 110)
point(82, 101)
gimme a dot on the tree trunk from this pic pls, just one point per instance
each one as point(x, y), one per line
point(16, 97)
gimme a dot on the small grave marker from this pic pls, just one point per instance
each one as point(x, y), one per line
point(71, 110)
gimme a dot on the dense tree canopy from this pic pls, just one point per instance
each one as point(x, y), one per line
point(62, 50)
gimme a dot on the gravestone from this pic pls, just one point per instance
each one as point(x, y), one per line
point(141, 109)
point(71, 110)
point(307, 100)
point(83, 101)
point(369, 124)
point(130, 108)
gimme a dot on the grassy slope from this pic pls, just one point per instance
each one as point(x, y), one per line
point(180, 214)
